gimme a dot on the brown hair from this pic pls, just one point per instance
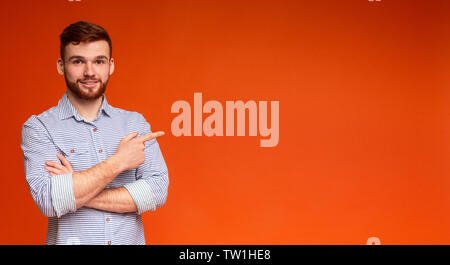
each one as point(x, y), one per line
point(83, 31)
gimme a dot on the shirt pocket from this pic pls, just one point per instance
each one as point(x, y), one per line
point(78, 155)
point(74, 149)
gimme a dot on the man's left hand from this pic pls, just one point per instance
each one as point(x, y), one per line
point(56, 168)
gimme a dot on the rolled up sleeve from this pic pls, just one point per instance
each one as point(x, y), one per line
point(142, 195)
point(54, 196)
point(150, 189)
point(63, 197)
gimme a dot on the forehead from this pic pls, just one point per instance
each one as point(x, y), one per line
point(88, 49)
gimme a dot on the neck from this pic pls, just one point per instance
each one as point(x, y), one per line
point(87, 109)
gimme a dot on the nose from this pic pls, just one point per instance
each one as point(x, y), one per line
point(89, 70)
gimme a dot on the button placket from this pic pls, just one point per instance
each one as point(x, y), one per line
point(107, 229)
point(97, 144)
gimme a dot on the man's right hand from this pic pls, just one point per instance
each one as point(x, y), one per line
point(131, 150)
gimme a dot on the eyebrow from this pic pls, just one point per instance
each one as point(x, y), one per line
point(81, 57)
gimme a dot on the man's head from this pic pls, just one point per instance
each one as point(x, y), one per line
point(86, 61)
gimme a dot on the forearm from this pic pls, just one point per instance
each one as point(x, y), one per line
point(89, 183)
point(116, 200)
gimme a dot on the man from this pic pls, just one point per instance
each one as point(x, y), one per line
point(111, 169)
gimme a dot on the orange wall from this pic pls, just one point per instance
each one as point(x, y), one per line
point(364, 114)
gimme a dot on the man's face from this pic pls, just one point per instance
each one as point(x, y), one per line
point(86, 68)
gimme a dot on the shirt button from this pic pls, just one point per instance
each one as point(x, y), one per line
point(100, 150)
point(95, 129)
point(72, 150)
point(109, 242)
point(107, 219)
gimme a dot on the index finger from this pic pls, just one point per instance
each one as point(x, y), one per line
point(150, 136)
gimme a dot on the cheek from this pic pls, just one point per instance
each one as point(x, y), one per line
point(104, 74)
point(73, 74)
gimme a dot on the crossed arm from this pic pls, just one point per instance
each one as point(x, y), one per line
point(116, 200)
point(89, 185)
point(57, 190)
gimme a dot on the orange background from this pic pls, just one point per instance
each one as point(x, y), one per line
point(364, 114)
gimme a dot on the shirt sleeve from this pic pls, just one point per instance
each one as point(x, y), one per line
point(53, 195)
point(149, 191)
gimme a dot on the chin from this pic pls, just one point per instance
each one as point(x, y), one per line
point(88, 94)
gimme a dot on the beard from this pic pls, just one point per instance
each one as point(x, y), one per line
point(91, 94)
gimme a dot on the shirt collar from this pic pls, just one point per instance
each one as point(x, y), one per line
point(67, 110)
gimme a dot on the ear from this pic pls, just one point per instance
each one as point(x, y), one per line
point(111, 66)
point(60, 66)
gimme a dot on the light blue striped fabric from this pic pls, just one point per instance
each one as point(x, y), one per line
point(61, 129)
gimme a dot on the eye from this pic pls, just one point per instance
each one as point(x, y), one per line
point(78, 61)
point(100, 61)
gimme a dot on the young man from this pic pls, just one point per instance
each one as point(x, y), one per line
point(111, 169)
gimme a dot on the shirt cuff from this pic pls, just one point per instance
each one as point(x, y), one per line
point(142, 195)
point(63, 197)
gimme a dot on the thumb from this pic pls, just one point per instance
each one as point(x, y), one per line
point(64, 161)
point(130, 136)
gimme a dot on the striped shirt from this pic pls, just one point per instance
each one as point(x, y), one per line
point(84, 143)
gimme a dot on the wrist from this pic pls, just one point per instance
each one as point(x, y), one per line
point(115, 164)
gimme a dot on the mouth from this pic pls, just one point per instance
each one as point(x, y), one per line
point(89, 84)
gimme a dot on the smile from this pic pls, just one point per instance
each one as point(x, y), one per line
point(89, 84)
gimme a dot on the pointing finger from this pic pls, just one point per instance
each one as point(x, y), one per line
point(150, 136)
